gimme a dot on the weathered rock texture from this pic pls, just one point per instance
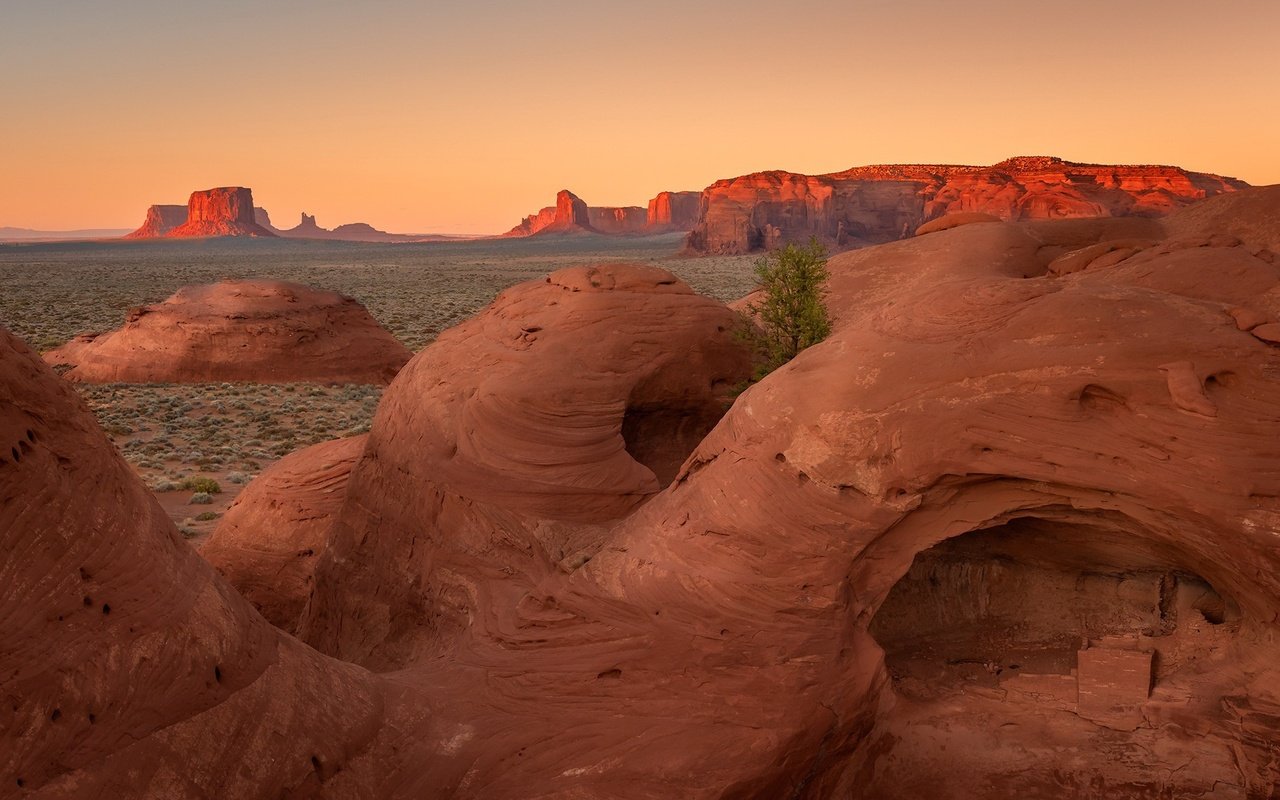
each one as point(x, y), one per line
point(226, 211)
point(669, 211)
point(256, 330)
point(883, 203)
point(674, 211)
point(269, 541)
point(928, 558)
point(127, 667)
point(564, 406)
point(160, 220)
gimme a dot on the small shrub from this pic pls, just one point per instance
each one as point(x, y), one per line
point(163, 486)
point(201, 484)
point(238, 478)
point(205, 516)
point(792, 314)
point(200, 499)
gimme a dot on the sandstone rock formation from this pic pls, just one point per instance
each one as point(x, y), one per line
point(349, 232)
point(226, 211)
point(257, 330)
point(669, 211)
point(954, 220)
point(269, 541)
point(160, 220)
point(564, 406)
point(569, 215)
point(127, 667)
point(1006, 533)
point(673, 211)
point(619, 220)
point(883, 203)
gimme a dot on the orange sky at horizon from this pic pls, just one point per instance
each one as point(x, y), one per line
point(463, 118)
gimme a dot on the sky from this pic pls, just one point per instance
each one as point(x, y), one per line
point(463, 117)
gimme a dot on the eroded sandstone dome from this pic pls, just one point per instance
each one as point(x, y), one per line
point(1008, 532)
point(263, 331)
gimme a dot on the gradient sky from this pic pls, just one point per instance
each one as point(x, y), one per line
point(465, 116)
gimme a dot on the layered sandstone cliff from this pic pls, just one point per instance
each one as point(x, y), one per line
point(225, 211)
point(160, 220)
point(673, 211)
point(669, 211)
point(883, 203)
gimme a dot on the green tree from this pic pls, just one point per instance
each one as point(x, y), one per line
point(792, 314)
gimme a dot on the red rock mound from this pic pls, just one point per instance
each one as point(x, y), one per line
point(258, 330)
point(128, 669)
point(269, 541)
point(564, 405)
point(883, 203)
point(1004, 534)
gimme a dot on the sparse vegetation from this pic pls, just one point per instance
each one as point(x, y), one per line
point(792, 313)
point(201, 485)
point(201, 499)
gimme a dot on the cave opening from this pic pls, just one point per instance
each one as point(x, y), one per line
point(1026, 606)
point(661, 437)
point(1065, 654)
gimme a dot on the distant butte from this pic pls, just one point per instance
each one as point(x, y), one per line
point(224, 211)
point(229, 211)
point(876, 204)
point(669, 211)
point(350, 232)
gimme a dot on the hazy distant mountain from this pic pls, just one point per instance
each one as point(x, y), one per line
point(9, 234)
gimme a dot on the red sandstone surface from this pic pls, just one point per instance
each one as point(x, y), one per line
point(226, 211)
point(160, 220)
point(1009, 532)
point(258, 330)
point(669, 211)
point(883, 203)
point(269, 541)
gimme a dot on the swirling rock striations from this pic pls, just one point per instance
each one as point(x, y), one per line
point(255, 330)
point(127, 667)
point(269, 541)
point(883, 203)
point(1007, 532)
point(565, 405)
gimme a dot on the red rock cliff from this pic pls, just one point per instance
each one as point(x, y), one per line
point(225, 211)
point(625, 219)
point(666, 212)
point(677, 211)
point(883, 203)
point(569, 214)
point(160, 220)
